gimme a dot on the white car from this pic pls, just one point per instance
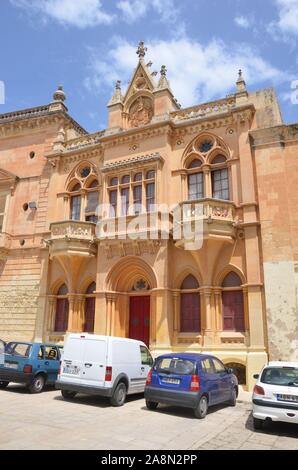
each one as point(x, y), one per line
point(275, 395)
point(103, 365)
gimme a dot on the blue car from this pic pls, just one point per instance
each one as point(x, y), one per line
point(194, 381)
point(32, 364)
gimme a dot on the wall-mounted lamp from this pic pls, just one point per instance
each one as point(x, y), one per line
point(32, 206)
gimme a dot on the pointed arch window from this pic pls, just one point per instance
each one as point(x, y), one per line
point(84, 194)
point(190, 311)
point(233, 303)
point(195, 181)
point(220, 179)
point(62, 310)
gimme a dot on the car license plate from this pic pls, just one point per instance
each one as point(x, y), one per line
point(71, 370)
point(171, 381)
point(292, 398)
point(9, 365)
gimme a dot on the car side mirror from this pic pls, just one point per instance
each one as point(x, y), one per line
point(256, 376)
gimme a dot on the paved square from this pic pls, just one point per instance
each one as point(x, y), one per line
point(47, 422)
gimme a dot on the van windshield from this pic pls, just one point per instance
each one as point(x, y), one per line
point(169, 365)
point(287, 376)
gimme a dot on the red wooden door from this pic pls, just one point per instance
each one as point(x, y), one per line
point(139, 321)
point(233, 311)
point(190, 316)
point(89, 315)
point(61, 319)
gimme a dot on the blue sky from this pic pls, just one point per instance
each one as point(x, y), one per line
point(87, 45)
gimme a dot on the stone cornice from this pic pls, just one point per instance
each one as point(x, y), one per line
point(35, 118)
point(120, 164)
point(277, 135)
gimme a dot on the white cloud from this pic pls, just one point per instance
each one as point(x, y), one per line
point(80, 13)
point(242, 22)
point(287, 23)
point(196, 72)
point(88, 13)
point(133, 10)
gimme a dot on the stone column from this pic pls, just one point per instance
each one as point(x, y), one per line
point(218, 314)
point(207, 182)
point(100, 324)
point(52, 302)
point(111, 301)
point(176, 305)
point(40, 326)
point(72, 320)
point(208, 333)
point(80, 307)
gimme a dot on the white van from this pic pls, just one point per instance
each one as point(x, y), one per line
point(103, 365)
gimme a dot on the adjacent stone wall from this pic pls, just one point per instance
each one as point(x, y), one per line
point(19, 290)
point(281, 288)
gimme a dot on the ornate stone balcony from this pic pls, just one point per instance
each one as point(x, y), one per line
point(72, 238)
point(5, 242)
point(204, 219)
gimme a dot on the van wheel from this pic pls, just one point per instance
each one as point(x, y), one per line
point(38, 384)
point(3, 385)
point(119, 396)
point(67, 394)
point(233, 400)
point(151, 405)
point(258, 423)
point(202, 408)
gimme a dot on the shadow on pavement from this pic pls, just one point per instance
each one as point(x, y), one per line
point(271, 428)
point(93, 400)
point(184, 412)
point(19, 388)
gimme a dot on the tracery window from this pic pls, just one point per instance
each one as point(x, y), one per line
point(84, 194)
point(132, 193)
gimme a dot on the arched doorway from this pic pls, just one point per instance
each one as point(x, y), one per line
point(62, 310)
point(233, 303)
point(90, 308)
point(139, 312)
point(239, 371)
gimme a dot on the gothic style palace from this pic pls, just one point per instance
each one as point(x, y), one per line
point(67, 266)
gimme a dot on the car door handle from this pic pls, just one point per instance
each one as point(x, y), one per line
point(88, 365)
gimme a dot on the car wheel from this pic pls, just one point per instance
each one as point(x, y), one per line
point(67, 394)
point(119, 395)
point(3, 384)
point(202, 408)
point(258, 423)
point(151, 405)
point(233, 400)
point(38, 384)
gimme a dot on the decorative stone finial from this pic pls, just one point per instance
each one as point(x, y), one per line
point(117, 96)
point(163, 71)
point(141, 52)
point(163, 81)
point(241, 85)
point(59, 94)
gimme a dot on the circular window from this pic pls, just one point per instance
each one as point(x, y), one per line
point(85, 172)
point(205, 146)
point(22, 242)
point(32, 155)
point(25, 207)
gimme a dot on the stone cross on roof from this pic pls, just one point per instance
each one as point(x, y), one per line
point(141, 52)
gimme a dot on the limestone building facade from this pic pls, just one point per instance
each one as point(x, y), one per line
point(89, 234)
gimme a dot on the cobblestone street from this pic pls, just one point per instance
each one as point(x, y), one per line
point(47, 422)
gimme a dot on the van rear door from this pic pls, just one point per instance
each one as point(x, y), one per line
point(73, 359)
point(94, 365)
